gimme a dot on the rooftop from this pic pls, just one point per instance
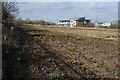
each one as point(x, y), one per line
point(64, 19)
point(77, 18)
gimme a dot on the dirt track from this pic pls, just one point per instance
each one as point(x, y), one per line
point(66, 55)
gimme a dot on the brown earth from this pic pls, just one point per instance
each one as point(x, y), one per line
point(52, 53)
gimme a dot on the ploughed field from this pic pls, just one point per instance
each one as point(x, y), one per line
point(71, 53)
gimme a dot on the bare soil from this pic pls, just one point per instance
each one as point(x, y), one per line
point(52, 53)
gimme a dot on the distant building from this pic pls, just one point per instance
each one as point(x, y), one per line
point(104, 24)
point(115, 22)
point(73, 22)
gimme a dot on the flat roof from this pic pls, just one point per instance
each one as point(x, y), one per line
point(77, 18)
point(64, 20)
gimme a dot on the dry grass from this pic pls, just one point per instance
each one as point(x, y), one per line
point(108, 34)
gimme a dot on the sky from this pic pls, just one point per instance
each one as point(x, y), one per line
point(52, 11)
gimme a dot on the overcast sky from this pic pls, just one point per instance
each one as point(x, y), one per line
point(52, 11)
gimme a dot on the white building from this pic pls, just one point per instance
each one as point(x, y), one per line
point(104, 24)
point(81, 21)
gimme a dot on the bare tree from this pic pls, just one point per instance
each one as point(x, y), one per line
point(42, 22)
point(27, 21)
point(9, 12)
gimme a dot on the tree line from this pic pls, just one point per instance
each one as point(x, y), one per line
point(28, 21)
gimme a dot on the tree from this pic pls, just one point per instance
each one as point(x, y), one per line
point(47, 23)
point(42, 22)
point(9, 12)
point(27, 21)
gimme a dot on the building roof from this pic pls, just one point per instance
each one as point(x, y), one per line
point(87, 19)
point(77, 18)
point(64, 20)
